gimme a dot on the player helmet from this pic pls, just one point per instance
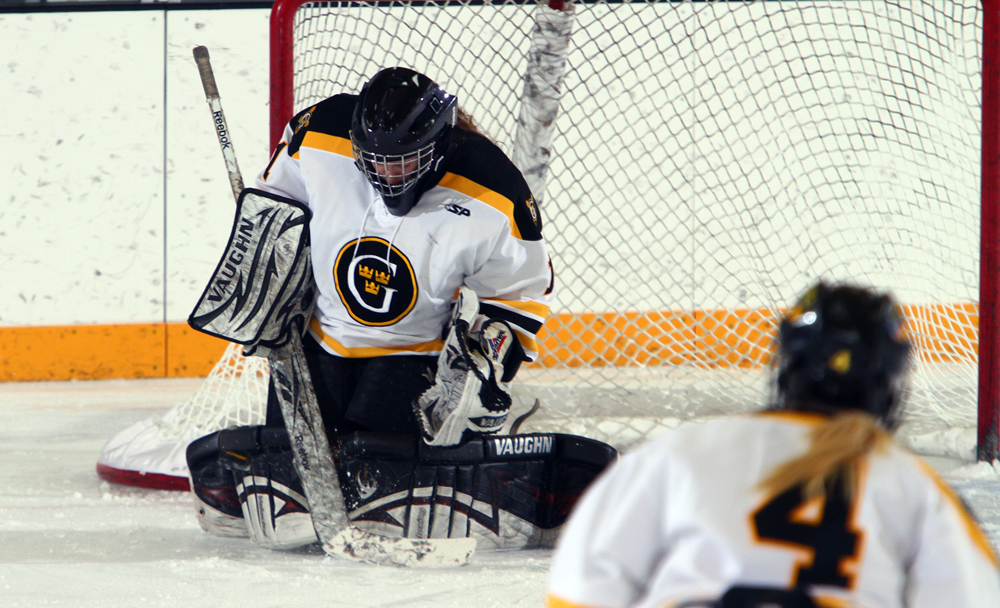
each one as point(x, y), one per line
point(842, 347)
point(402, 123)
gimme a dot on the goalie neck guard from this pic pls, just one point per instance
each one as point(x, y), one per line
point(843, 347)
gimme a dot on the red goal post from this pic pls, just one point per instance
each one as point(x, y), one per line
point(988, 431)
point(764, 74)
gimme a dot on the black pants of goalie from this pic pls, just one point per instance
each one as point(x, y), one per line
point(371, 394)
point(508, 492)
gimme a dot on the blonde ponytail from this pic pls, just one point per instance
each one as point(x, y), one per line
point(838, 447)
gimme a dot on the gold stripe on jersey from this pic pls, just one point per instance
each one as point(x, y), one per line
point(970, 523)
point(810, 418)
point(372, 351)
point(535, 309)
point(825, 601)
point(527, 341)
point(327, 143)
point(483, 194)
point(552, 601)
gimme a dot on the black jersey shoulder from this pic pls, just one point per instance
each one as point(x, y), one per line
point(478, 159)
point(332, 116)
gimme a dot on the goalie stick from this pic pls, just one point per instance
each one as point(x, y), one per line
point(221, 129)
point(312, 455)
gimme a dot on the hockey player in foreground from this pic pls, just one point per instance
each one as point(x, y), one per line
point(431, 279)
point(810, 502)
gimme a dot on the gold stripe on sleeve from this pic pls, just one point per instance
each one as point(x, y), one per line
point(531, 307)
point(328, 143)
point(483, 194)
point(528, 342)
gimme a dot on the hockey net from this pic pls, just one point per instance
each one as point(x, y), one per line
point(698, 165)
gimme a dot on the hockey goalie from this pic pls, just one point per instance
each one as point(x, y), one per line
point(390, 264)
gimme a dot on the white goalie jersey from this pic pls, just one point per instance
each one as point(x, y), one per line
point(386, 283)
point(680, 519)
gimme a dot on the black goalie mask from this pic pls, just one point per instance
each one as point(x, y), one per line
point(843, 347)
point(401, 126)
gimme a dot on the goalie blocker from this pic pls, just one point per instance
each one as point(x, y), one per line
point(508, 492)
point(261, 293)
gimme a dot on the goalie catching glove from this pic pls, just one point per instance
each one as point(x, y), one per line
point(471, 391)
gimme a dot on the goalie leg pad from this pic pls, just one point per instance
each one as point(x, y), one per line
point(216, 503)
point(507, 492)
point(274, 504)
point(245, 484)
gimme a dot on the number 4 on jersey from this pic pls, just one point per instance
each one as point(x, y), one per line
point(820, 526)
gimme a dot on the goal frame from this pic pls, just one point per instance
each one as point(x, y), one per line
point(988, 397)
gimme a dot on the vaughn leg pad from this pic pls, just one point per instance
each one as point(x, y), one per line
point(245, 485)
point(273, 503)
point(216, 502)
point(507, 492)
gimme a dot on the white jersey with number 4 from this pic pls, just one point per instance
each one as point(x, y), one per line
point(680, 519)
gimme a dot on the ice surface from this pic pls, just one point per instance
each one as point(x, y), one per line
point(67, 538)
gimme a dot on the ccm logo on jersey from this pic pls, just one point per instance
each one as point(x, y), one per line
point(458, 210)
point(521, 444)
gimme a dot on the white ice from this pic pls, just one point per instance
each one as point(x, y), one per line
point(67, 538)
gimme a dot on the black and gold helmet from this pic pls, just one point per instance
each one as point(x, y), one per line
point(843, 347)
point(401, 126)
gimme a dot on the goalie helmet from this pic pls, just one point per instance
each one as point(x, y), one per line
point(401, 125)
point(842, 347)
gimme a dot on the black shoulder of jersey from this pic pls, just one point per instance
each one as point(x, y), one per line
point(332, 116)
point(476, 158)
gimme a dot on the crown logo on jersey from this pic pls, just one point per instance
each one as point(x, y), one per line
point(378, 275)
point(375, 281)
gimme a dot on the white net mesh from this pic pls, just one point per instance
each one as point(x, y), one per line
point(710, 160)
point(233, 394)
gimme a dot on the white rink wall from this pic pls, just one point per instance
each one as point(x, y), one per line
point(114, 199)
